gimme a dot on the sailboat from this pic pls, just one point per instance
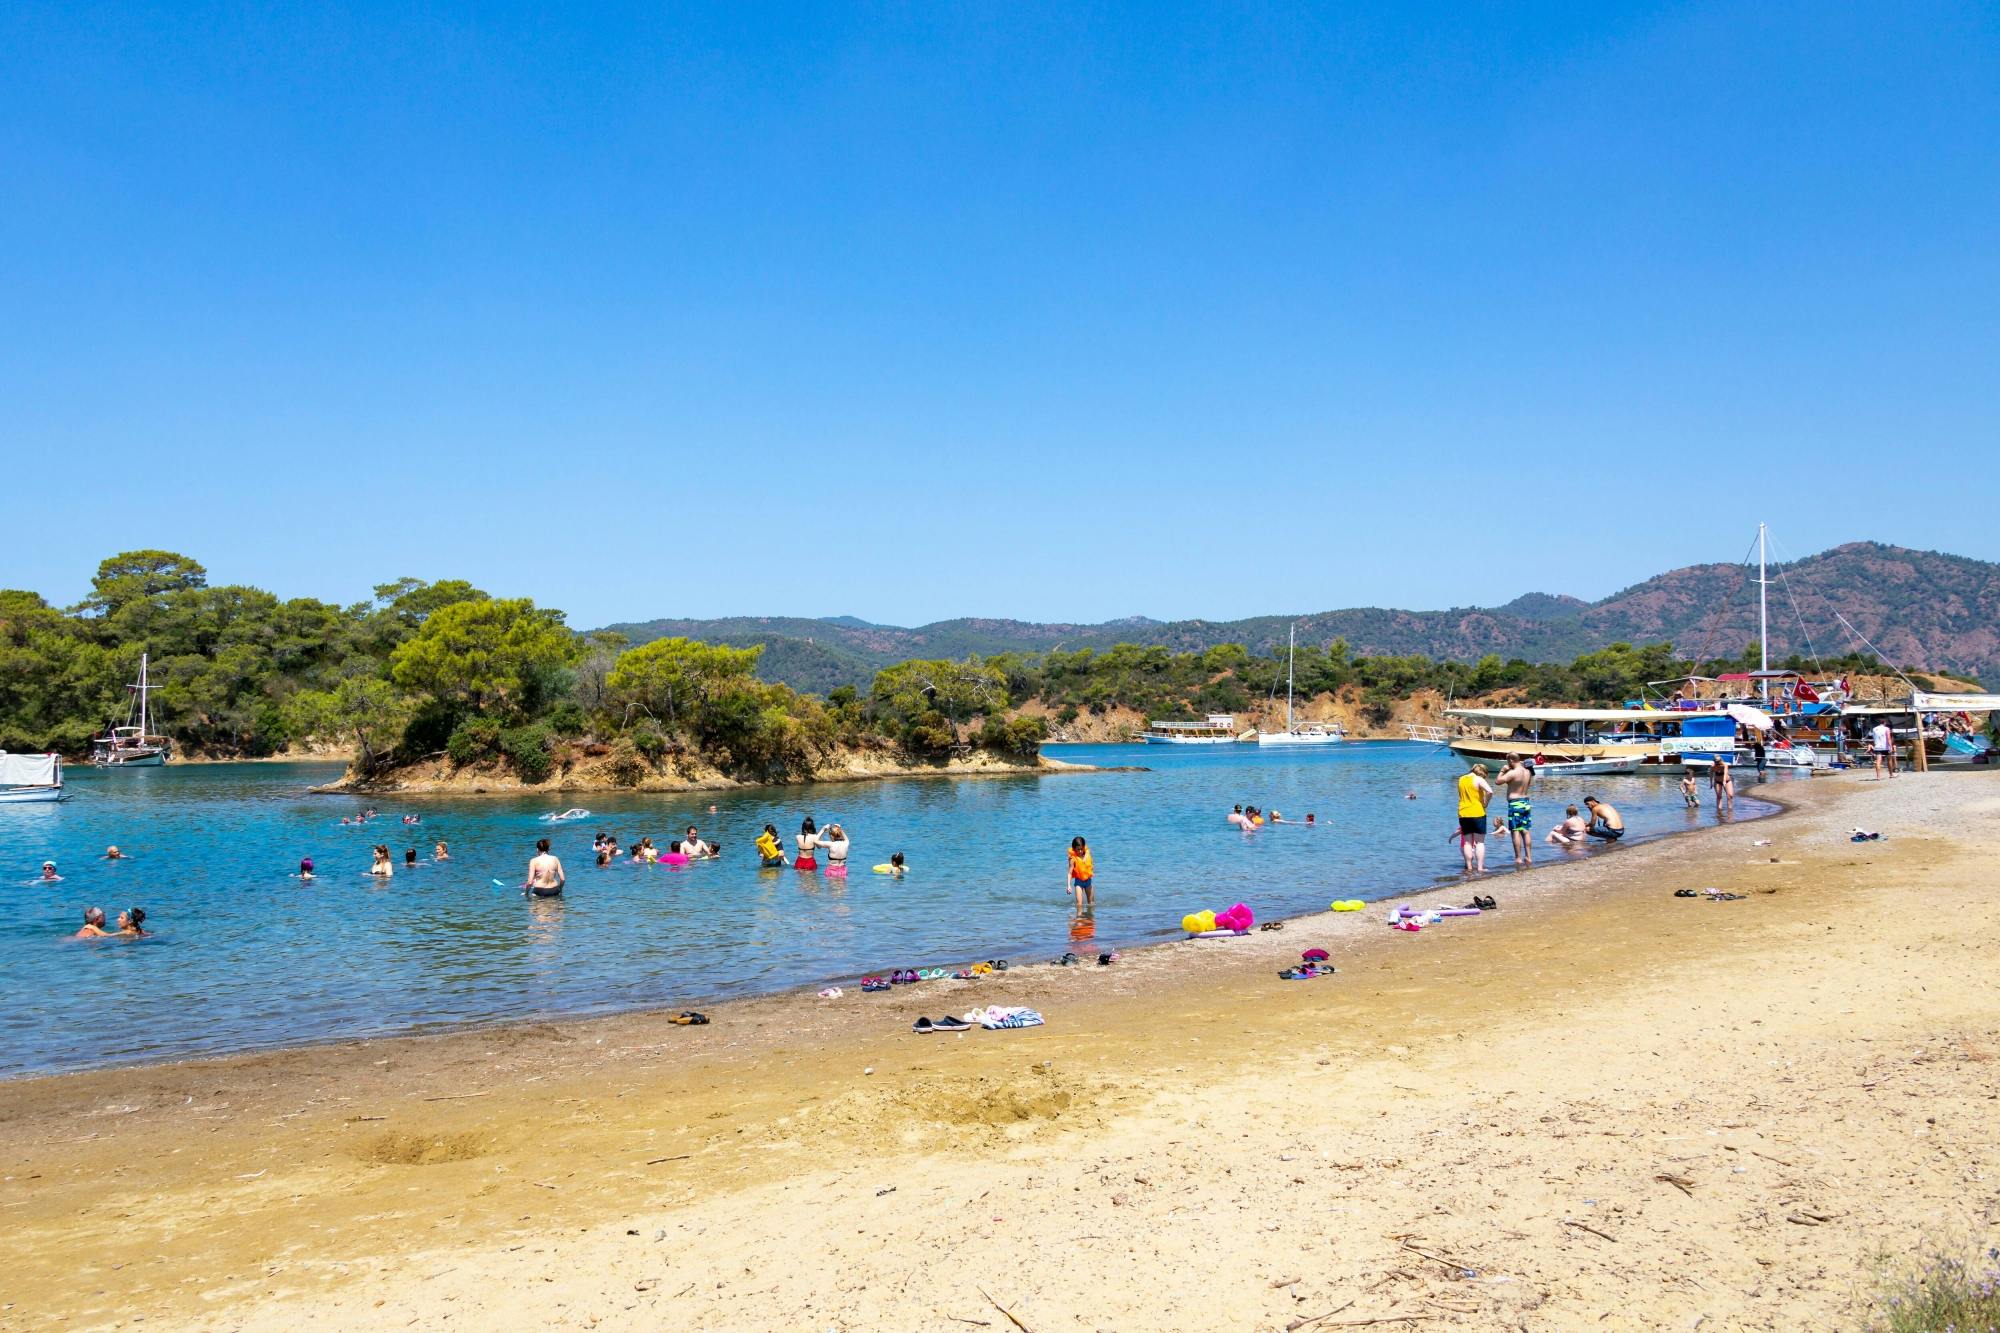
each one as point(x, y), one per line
point(1310, 733)
point(132, 745)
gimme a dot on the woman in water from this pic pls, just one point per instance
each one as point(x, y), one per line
point(440, 853)
point(305, 868)
point(410, 858)
point(49, 875)
point(769, 853)
point(545, 872)
point(132, 923)
point(835, 843)
point(383, 867)
point(1082, 874)
point(807, 839)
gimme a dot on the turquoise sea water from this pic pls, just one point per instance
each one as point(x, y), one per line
point(247, 956)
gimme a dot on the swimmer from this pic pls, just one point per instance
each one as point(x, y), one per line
point(305, 868)
point(1409, 796)
point(383, 868)
point(603, 857)
point(93, 925)
point(808, 840)
point(1570, 832)
point(1312, 820)
point(836, 846)
point(132, 923)
point(410, 859)
point(1277, 818)
point(769, 853)
point(440, 853)
point(49, 875)
point(112, 853)
point(694, 846)
point(896, 866)
point(1081, 877)
point(545, 873)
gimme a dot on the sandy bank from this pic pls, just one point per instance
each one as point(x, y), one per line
point(1612, 1107)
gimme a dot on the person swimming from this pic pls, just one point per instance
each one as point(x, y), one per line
point(383, 867)
point(1312, 820)
point(93, 925)
point(603, 856)
point(693, 846)
point(807, 839)
point(410, 858)
point(49, 875)
point(896, 866)
point(132, 923)
point(112, 853)
point(440, 853)
point(545, 872)
point(305, 867)
point(769, 852)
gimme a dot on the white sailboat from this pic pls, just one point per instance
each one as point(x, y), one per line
point(1310, 733)
point(133, 745)
point(30, 777)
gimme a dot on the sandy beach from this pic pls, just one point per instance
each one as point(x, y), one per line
point(1601, 1106)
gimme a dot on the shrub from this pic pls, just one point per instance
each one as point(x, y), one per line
point(1945, 1293)
point(567, 719)
point(472, 740)
point(528, 749)
point(626, 765)
point(648, 739)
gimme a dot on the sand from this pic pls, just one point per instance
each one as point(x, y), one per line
point(1599, 1107)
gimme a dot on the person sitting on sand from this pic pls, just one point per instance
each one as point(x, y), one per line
point(383, 867)
point(440, 853)
point(112, 853)
point(1605, 821)
point(132, 923)
point(49, 875)
point(545, 872)
point(93, 925)
point(1571, 832)
point(1082, 877)
point(305, 868)
point(769, 853)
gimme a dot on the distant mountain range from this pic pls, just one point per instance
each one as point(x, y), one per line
point(1920, 608)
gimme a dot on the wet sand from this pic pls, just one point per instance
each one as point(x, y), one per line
point(1599, 1107)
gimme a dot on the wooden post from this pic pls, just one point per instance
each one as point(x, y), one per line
point(1921, 761)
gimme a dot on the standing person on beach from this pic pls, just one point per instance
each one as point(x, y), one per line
point(1474, 792)
point(1724, 783)
point(1605, 821)
point(1883, 741)
point(1082, 876)
point(1515, 780)
point(545, 873)
point(1762, 755)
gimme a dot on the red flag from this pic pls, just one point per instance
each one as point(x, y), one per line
point(1805, 693)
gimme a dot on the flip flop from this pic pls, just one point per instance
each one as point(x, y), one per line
point(690, 1019)
point(950, 1024)
point(1272, 925)
point(924, 1026)
point(1685, 893)
point(1484, 902)
point(1106, 959)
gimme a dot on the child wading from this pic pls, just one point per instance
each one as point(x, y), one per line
point(1081, 872)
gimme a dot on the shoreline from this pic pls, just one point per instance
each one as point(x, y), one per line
point(1445, 884)
point(1563, 1053)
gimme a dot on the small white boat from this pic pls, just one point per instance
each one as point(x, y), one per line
point(131, 746)
point(1587, 768)
point(30, 777)
point(1310, 733)
point(566, 816)
point(1218, 729)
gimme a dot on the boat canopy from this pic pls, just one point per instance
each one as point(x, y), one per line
point(1585, 714)
point(29, 770)
point(1955, 703)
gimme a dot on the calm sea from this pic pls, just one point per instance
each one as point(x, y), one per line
point(247, 956)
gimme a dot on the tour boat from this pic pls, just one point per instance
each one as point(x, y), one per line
point(1310, 733)
point(132, 745)
point(1216, 729)
point(1650, 737)
point(30, 777)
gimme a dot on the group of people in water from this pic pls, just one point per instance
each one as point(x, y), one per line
point(1249, 818)
point(546, 876)
point(384, 865)
point(131, 921)
point(1476, 795)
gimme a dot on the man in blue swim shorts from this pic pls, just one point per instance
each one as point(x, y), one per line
point(1514, 781)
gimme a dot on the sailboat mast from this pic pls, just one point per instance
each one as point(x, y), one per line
point(1291, 652)
point(145, 727)
point(1763, 619)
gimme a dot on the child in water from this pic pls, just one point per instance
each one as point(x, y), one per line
point(1688, 789)
point(769, 853)
point(896, 866)
point(1082, 872)
point(305, 867)
point(410, 859)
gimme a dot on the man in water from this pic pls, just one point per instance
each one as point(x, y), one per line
point(93, 925)
point(1474, 791)
point(545, 872)
point(1883, 741)
point(694, 846)
point(1514, 780)
point(1605, 821)
point(112, 853)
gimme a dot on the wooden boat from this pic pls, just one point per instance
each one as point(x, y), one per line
point(133, 745)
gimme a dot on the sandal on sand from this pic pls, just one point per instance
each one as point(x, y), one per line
point(690, 1019)
point(1067, 960)
point(923, 1025)
point(950, 1024)
point(1272, 925)
point(1106, 959)
point(1484, 902)
point(1685, 893)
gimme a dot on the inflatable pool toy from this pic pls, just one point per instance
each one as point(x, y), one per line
point(1216, 934)
point(674, 858)
point(566, 816)
point(884, 869)
point(1348, 905)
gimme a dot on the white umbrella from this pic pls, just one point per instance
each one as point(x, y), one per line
point(1751, 716)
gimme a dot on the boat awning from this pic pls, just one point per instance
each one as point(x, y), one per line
point(1750, 716)
point(1585, 714)
point(1955, 703)
point(27, 770)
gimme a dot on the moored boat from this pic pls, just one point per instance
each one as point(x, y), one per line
point(30, 777)
point(1650, 738)
point(133, 745)
point(1216, 729)
point(1309, 733)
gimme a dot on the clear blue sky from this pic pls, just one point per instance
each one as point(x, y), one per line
point(1055, 311)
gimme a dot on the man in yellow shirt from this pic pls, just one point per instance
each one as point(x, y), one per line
point(1474, 791)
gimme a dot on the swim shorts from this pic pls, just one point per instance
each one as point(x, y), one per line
point(805, 863)
point(1084, 884)
point(1468, 825)
point(1608, 834)
point(1518, 816)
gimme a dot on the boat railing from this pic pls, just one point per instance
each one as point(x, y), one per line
point(1429, 735)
